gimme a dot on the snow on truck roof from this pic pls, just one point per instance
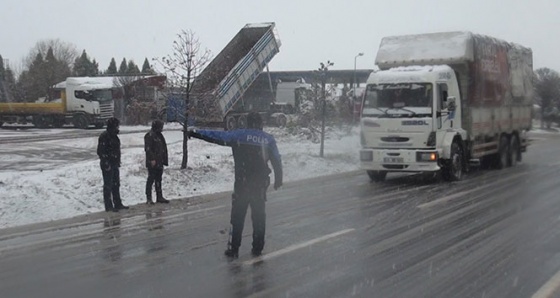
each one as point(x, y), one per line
point(433, 47)
point(90, 83)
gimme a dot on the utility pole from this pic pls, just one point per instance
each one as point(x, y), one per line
point(323, 75)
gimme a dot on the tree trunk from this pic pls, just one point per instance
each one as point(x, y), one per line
point(185, 149)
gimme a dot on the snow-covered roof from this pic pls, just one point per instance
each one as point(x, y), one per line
point(431, 48)
point(87, 83)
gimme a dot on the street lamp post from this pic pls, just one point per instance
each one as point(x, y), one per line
point(354, 80)
point(354, 88)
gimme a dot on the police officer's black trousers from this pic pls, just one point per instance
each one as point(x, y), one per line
point(111, 185)
point(240, 202)
point(154, 175)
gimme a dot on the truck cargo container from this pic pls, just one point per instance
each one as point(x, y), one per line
point(217, 95)
point(442, 102)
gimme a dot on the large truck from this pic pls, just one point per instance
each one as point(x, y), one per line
point(442, 102)
point(81, 101)
point(217, 95)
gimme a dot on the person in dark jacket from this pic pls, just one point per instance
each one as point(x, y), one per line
point(156, 158)
point(109, 152)
point(252, 150)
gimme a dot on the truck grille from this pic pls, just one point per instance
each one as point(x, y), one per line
point(394, 139)
point(106, 110)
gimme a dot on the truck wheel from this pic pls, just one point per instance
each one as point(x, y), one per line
point(242, 121)
point(39, 121)
point(453, 170)
point(81, 121)
point(99, 125)
point(281, 120)
point(58, 123)
point(515, 152)
point(231, 123)
point(377, 176)
point(503, 153)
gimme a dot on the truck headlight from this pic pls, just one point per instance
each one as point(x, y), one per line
point(426, 156)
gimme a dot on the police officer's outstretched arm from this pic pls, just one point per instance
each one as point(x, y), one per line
point(276, 161)
point(224, 138)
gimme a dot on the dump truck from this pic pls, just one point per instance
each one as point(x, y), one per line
point(217, 94)
point(81, 101)
point(443, 102)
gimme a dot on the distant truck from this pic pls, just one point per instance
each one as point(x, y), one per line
point(278, 100)
point(217, 95)
point(81, 101)
point(444, 102)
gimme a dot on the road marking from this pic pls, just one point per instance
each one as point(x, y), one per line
point(291, 248)
point(459, 194)
point(549, 288)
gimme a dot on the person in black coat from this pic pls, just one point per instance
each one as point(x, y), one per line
point(252, 150)
point(156, 158)
point(109, 152)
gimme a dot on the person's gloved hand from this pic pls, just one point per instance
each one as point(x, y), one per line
point(277, 185)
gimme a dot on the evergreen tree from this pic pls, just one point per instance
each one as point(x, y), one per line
point(123, 67)
point(132, 68)
point(146, 68)
point(94, 68)
point(84, 67)
point(112, 69)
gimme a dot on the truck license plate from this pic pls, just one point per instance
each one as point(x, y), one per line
point(393, 160)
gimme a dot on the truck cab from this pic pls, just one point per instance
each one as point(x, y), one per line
point(407, 112)
point(89, 101)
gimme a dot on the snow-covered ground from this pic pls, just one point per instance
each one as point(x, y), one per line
point(52, 187)
point(47, 185)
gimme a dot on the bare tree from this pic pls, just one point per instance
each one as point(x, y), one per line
point(547, 87)
point(63, 51)
point(183, 67)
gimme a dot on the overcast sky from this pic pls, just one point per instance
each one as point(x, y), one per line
point(311, 31)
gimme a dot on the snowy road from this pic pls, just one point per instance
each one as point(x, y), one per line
point(495, 234)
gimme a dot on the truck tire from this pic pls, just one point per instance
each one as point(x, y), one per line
point(453, 169)
point(281, 120)
point(39, 121)
point(81, 121)
point(231, 123)
point(503, 157)
point(58, 123)
point(99, 125)
point(514, 151)
point(242, 121)
point(377, 176)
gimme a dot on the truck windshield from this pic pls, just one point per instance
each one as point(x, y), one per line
point(399, 98)
point(102, 95)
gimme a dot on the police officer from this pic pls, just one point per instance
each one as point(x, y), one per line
point(252, 149)
point(156, 158)
point(109, 152)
